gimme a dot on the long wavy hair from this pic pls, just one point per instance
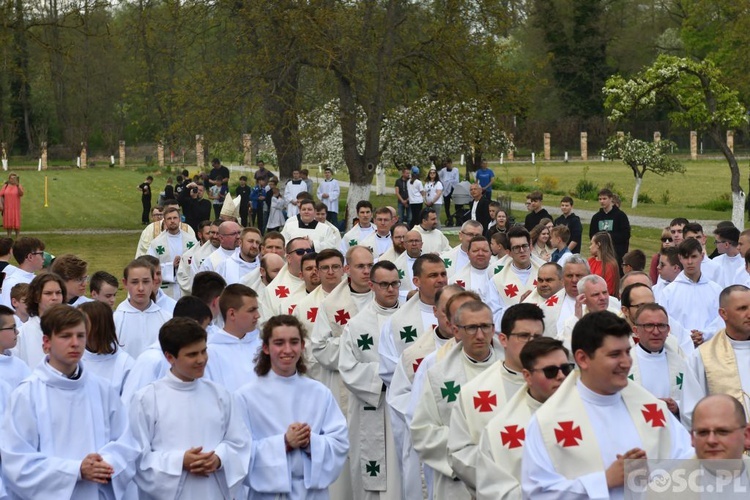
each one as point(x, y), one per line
point(607, 255)
point(263, 360)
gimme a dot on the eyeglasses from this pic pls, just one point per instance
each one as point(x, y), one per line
point(667, 240)
point(651, 327)
point(362, 267)
point(719, 433)
point(81, 280)
point(486, 328)
point(13, 327)
point(332, 268)
point(551, 372)
point(519, 248)
point(385, 285)
point(37, 253)
point(413, 242)
point(301, 251)
point(525, 336)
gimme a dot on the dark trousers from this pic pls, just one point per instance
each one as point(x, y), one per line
point(447, 206)
point(217, 211)
point(333, 218)
point(146, 202)
point(416, 214)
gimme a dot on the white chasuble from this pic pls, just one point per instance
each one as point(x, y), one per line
point(510, 286)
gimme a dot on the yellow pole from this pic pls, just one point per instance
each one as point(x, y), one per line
point(46, 205)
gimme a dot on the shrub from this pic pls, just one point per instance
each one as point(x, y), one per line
point(644, 198)
point(549, 184)
point(721, 204)
point(665, 197)
point(586, 190)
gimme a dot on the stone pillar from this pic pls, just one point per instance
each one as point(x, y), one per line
point(160, 154)
point(199, 151)
point(122, 153)
point(83, 155)
point(546, 146)
point(693, 145)
point(584, 146)
point(44, 155)
point(511, 151)
point(247, 150)
point(730, 140)
point(657, 137)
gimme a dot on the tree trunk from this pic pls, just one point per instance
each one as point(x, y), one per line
point(738, 195)
point(636, 192)
point(281, 113)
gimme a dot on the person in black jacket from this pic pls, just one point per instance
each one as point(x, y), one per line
point(573, 223)
point(195, 207)
point(536, 211)
point(480, 208)
point(611, 219)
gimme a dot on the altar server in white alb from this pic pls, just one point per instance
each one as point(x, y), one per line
point(12, 369)
point(578, 441)
point(374, 458)
point(65, 432)
point(545, 366)
point(299, 434)
point(45, 291)
point(194, 441)
point(328, 193)
point(380, 240)
point(168, 247)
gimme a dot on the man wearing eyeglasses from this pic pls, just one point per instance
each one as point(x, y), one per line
point(371, 436)
point(545, 366)
point(577, 442)
point(514, 279)
point(74, 272)
point(457, 258)
point(720, 430)
point(287, 284)
point(380, 240)
point(29, 253)
point(229, 242)
point(482, 397)
point(443, 384)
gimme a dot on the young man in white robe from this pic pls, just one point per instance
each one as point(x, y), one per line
point(161, 299)
point(29, 254)
point(12, 369)
point(138, 318)
point(692, 299)
point(488, 392)
point(292, 188)
point(154, 229)
point(194, 441)
point(229, 242)
point(66, 432)
point(405, 263)
point(370, 430)
point(380, 240)
point(518, 277)
point(74, 272)
point(168, 247)
point(571, 450)
point(300, 441)
point(398, 235)
point(730, 259)
point(329, 192)
point(457, 257)
point(669, 268)
point(434, 241)
point(498, 464)
point(305, 224)
point(477, 276)
point(330, 266)
point(342, 304)
point(722, 365)
point(321, 215)
point(361, 230)
point(193, 258)
point(240, 263)
point(287, 287)
point(443, 384)
point(45, 291)
point(693, 230)
point(232, 349)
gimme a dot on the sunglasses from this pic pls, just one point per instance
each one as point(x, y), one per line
point(301, 251)
point(666, 240)
point(550, 372)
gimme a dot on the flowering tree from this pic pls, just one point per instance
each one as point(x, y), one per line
point(698, 98)
point(320, 132)
point(642, 157)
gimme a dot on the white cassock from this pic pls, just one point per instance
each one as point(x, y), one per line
point(231, 360)
point(354, 237)
point(660, 373)
point(211, 262)
point(12, 369)
point(11, 280)
point(380, 180)
point(480, 281)
point(114, 368)
point(592, 431)
point(166, 247)
point(136, 330)
point(373, 457)
point(269, 406)
point(40, 458)
point(168, 418)
point(232, 269)
point(390, 255)
point(29, 344)
point(149, 367)
point(498, 460)
point(291, 190)
point(190, 264)
point(479, 400)
point(733, 373)
point(433, 241)
point(166, 302)
point(430, 425)
point(281, 289)
point(5, 391)
point(727, 268)
point(454, 259)
point(694, 305)
point(323, 236)
point(379, 244)
point(333, 190)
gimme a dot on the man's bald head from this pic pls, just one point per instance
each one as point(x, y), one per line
point(719, 428)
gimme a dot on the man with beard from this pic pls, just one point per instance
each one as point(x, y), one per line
point(398, 236)
point(434, 241)
point(168, 247)
point(287, 286)
point(229, 241)
point(244, 261)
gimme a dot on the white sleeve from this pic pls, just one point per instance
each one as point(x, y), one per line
point(328, 449)
point(388, 354)
point(695, 387)
point(234, 450)
point(360, 377)
point(429, 434)
point(494, 482)
point(462, 450)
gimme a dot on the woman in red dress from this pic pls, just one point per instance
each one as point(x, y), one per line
point(11, 193)
point(603, 261)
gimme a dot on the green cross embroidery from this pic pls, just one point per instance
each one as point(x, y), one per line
point(408, 334)
point(632, 377)
point(498, 269)
point(679, 377)
point(365, 341)
point(447, 262)
point(352, 242)
point(190, 245)
point(160, 250)
point(372, 468)
point(450, 391)
point(401, 274)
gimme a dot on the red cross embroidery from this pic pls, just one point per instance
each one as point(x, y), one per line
point(513, 436)
point(416, 364)
point(312, 313)
point(484, 401)
point(282, 291)
point(567, 435)
point(653, 414)
point(551, 301)
point(291, 308)
point(461, 283)
point(511, 290)
point(534, 283)
point(342, 317)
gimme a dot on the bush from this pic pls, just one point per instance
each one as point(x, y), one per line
point(586, 190)
point(665, 197)
point(516, 181)
point(721, 204)
point(549, 184)
point(644, 198)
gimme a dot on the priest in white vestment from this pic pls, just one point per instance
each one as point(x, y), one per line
point(398, 235)
point(405, 263)
point(305, 224)
point(239, 264)
point(229, 242)
point(168, 247)
point(193, 258)
point(513, 280)
point(287, 281)
point(458, 257)
point(478, 275)
point(434, 241)
point(359, 231)
point(549, 295)
point(380, 240)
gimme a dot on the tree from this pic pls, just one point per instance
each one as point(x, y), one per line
point(697, 98)
point(642, 157)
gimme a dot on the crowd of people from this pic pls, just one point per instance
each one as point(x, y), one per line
point(289, 360)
